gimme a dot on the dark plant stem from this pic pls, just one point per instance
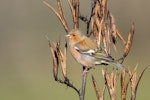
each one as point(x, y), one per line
point(67, 83)
point(84, 77)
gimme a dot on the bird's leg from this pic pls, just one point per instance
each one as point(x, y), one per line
point(85, 70)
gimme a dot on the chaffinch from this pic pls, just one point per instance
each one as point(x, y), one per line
point(85, 51)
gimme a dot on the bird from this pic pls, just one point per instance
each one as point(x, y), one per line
point(85, 51)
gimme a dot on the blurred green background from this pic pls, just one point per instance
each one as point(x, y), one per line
point(25, 59)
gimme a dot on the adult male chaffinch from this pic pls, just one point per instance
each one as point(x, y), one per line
point(85, 51)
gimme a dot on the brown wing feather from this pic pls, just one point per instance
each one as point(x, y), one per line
point(88, 44)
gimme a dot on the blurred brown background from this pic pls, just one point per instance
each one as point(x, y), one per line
point(25, 60)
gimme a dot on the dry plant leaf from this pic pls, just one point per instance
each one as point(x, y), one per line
point(120, 36)
point(96, 88)
point(113, 30)
point(124, 83)
point(135, 82)
point(63, 19)
point(98, 20)
point(62, 58)
point(61, 12)
point(129, 42)
point(72, 9)
point(55, 59)
point(107, 37)
point(60, 15)
point(51, 8)
point(74, 6)
point(105, 8)
point(111, 83)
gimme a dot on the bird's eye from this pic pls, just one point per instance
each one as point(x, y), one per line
point(73, 35)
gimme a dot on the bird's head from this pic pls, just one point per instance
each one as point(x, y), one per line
point(74, 35)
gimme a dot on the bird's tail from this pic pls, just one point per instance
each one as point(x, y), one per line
point(102, 59)
point(107, 60)
point(113, 63)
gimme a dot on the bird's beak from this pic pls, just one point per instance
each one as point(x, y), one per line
point(68, 36)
